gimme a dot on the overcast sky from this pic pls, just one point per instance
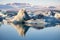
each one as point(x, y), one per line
point(34, 2)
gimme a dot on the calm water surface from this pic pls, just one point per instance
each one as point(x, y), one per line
point(25, 32)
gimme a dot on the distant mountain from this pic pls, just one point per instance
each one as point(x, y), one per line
point(19, 5)
point(14, 6)
point(5, 7)
point(52, 7)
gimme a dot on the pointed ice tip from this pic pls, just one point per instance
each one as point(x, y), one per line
point(23, 9)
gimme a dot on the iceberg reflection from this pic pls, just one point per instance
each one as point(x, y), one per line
point(23, 28)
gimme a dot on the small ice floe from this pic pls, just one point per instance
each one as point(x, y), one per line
point(57, 16)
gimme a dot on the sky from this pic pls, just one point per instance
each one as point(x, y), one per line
point(33, 2)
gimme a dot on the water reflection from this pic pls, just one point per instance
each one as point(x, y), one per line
point(1, 23)
point(23, 28)
point(33, 31)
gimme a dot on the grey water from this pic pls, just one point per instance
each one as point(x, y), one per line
point(9, 32)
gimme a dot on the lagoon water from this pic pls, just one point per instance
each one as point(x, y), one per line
point(24, 32)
